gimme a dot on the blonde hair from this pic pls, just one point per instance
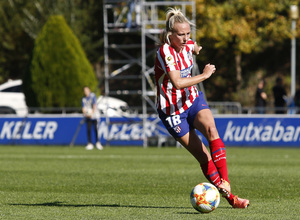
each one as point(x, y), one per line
point(173, 15)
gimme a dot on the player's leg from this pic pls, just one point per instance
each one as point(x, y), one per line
point(182, 131)
point(195, 146)
point(205, 123)
point(89, 130)
point(89, 134)
point(98, 145)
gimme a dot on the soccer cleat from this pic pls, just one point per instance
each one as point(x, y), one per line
point(89, 146)
point(224, 188)
point(99, 146)
point(234, 201)
point(226, 185)
point(240, 203)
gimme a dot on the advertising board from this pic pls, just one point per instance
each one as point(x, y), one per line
point(269, 130)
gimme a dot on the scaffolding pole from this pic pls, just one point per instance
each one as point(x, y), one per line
point(149, 23)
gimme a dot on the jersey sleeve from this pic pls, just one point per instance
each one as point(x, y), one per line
point(190, 45)
point(168, 58)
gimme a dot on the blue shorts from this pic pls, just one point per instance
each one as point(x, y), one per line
point(179, 125)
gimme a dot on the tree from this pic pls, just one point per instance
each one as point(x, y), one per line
point(239, 27)
point(15, 44)
point(59, 68)
point(22, 20)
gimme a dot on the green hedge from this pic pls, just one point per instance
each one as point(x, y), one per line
point(59, 68)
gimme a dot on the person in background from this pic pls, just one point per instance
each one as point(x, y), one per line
point(91, 114)
point(297, 101)
point(182, 109)
point(279, 95)
point(133, 5)
point(260, 97)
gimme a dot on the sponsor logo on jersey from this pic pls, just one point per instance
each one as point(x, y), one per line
point(186, 72)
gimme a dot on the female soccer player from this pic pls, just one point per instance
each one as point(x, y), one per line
point(183, 109)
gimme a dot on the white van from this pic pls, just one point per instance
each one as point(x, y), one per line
point(113, 107)
point(12, 99)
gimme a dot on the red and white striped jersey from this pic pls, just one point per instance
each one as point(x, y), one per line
point(170, 100)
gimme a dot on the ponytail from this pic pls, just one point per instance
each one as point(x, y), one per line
point(173, 15)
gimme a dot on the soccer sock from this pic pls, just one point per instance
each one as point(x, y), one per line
point(211, 173)
point(230, 199)
point(218, 154)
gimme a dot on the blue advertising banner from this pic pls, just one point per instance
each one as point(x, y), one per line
point(38, 130)
point(67, 130)
point(260, 131)
point(243, 130)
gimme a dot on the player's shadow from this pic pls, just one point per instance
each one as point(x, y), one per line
point(62, 204)
point(199, 213)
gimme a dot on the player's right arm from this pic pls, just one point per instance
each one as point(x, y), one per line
point(181, 83)
point(83, 109)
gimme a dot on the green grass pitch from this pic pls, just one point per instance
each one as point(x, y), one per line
point(137, 183)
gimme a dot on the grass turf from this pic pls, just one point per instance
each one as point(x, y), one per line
point(138, 183)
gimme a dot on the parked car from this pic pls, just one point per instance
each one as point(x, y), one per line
point(12, 99)
point(113, 107)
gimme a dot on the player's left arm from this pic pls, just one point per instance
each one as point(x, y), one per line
point(197, 48)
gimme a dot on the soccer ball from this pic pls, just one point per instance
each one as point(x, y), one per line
point(89, 112)
point(205, 197)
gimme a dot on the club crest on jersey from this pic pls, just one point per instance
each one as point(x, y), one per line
point(170, 60)
point(177, 129)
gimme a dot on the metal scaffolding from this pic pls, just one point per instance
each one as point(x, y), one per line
point(130, 47)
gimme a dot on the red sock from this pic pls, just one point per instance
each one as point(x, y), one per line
point(230, 199)
point(218, 154)
point(211, 173)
